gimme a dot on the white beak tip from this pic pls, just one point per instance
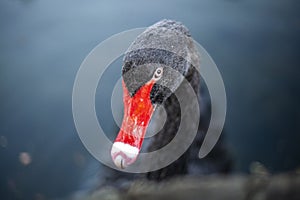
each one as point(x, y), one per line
point(123, 154)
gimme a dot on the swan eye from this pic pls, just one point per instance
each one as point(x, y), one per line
point(158, 73)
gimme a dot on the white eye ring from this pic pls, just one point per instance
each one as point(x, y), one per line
point(158, 73)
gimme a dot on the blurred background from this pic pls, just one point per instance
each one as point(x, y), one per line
point(255, 44)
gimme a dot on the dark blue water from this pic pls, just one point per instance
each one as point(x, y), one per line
point(255, 44)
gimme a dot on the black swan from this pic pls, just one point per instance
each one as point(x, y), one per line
point(147, 64)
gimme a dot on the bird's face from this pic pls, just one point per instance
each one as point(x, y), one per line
point(154, 67)
point(140, 97)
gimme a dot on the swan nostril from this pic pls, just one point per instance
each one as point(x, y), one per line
point(119, 162)
point(122, 166)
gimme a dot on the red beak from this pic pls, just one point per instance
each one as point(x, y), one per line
point(137, 114)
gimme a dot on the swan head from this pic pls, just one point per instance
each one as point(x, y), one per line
point(154, 66)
